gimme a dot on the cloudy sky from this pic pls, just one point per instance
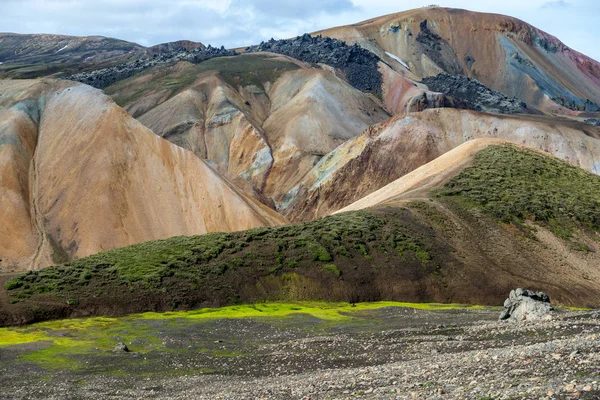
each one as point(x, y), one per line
point(236, 23)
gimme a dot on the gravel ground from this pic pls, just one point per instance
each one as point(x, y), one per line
point(390, 353)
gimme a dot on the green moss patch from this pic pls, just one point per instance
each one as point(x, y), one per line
point(68, 343)
point(213, 260)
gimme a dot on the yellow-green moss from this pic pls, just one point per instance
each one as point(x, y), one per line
point(70, 338)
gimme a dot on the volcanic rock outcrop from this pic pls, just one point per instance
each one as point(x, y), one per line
point(359, 65)
point(101, 78)
point(470, 94)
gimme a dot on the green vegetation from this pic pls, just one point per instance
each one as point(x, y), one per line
point(514, 185)
point(64, 343)
point(243, 70)
point(335, 270)
point(292, 262)
point(142, 264)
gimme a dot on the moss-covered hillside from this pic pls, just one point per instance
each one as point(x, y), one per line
point(354, 257)
point(514, 184)
point(460, 246)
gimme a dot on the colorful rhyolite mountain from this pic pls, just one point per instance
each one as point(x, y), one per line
point(80, 175)
point(192, 140)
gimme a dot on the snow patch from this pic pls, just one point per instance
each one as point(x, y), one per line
point(62, 49)
point(395, 57)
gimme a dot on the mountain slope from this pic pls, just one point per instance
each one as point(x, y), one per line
point(503, 53)
point(36, 55)
point(398, 146)
point(449, 241)
point(264, 117)
point(88, 178)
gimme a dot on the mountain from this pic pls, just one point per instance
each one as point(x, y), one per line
point(443, 233)
point(306, 180)
point(395, 119)
point(81, 176)
point(397, 146)
point(264, 117)
point(503, 53)
point(35, 55)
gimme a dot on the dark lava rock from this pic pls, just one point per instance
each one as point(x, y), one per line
point(438, 49)
point(473, 95)
point(577, 104)
point(526, 305)
point(592, 121)
point(360, 65)
point(104, 77)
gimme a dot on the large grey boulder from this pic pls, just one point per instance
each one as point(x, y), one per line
point(526, 305)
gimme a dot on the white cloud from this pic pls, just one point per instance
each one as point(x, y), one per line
point(236, 23)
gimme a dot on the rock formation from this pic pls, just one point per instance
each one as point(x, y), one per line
point(470, 94)
point(101, 78)
point(526, 305)
point(359, 65)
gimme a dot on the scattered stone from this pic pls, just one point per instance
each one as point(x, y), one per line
point(570, 387)
point(526, 305)
point(121, 348)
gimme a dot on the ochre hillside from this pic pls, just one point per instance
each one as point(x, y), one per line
point(81, 176)
point(264, 117)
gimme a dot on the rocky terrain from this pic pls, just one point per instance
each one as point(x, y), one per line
point(577, 105)
point(159, 55)
point(392, 352)
point(358, 64)
point(473, 95)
